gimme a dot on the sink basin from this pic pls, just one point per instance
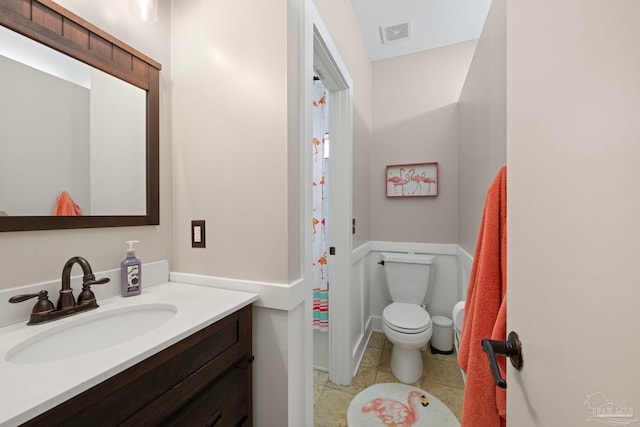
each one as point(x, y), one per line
point(96, 331)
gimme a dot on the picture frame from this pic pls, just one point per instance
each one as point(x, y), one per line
point(412, 180)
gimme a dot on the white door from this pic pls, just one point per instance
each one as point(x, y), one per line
point(573, 155)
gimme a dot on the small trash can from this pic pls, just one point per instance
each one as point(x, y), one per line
point(442, 338)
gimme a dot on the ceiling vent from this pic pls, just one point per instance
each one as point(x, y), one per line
point(395, 32)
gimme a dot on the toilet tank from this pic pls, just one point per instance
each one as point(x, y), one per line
point(409, 276)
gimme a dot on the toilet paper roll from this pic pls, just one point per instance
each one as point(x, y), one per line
point(458, 315)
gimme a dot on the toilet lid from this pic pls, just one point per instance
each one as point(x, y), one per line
point(404, 316)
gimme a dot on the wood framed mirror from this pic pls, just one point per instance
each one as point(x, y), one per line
point(51, 25)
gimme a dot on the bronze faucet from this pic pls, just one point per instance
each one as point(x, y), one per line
point(44, 311)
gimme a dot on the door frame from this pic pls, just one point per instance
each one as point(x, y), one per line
point(340, 206)
point(321, 54)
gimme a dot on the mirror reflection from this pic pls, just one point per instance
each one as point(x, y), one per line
point(73, 138)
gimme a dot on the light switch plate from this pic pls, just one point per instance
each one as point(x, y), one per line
point(198, 239)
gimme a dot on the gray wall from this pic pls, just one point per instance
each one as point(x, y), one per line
point(41, 159)
point(118, 153)
point(415, 120)
point(482, 125)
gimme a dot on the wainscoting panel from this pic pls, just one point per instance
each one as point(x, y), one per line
point(360, 310)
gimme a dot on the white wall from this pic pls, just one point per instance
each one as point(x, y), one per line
point(482, 124)
point(36, 256)
point(415, 120)
point(270, 344)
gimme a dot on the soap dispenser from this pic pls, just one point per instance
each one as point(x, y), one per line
point(131, 272)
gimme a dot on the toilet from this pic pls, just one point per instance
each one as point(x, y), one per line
point(458, 322)
point(405, 321)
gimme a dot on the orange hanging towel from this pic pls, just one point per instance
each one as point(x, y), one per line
point(65, 206)
point(485, 312)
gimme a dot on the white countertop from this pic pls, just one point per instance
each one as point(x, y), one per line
point(29, 389)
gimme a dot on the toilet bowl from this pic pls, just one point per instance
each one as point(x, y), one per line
point(409, 328)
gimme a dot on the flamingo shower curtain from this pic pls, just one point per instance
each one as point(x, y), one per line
point(320, 280)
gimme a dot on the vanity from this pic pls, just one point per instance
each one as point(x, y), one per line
point(188, 363)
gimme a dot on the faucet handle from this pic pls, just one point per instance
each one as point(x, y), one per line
point(87, 296)
point(44, 305)
point(95, 281)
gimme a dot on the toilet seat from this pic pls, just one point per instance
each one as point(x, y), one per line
point(406, 318)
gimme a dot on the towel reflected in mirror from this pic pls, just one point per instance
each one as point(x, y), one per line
point(65, 206)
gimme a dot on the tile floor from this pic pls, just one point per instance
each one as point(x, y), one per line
point(441, 378)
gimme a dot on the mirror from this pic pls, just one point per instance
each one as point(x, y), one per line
point(75, 147)
point(87, 126)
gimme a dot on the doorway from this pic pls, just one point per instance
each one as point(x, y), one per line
point(321, 56)
point(339, 97)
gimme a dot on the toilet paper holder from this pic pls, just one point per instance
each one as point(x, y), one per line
point(512, 348)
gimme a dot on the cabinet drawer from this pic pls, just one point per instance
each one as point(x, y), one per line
point(199, 398)
point(224, 403)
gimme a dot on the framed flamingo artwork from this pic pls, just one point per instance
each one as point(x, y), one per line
point(412, 180)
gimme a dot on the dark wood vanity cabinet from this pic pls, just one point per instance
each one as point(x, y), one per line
point(203, 380)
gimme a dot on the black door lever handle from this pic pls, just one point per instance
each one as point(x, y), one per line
point(512, 348)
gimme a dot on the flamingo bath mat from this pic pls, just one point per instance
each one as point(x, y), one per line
point(398, 405)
